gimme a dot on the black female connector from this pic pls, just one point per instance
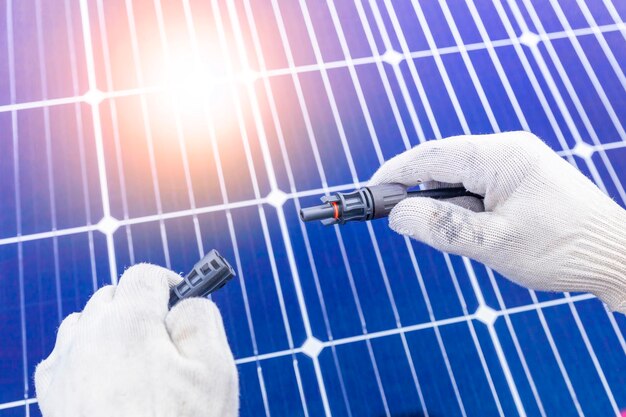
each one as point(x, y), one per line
point(209, 274)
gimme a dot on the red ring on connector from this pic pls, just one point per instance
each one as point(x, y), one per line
point(336, 207)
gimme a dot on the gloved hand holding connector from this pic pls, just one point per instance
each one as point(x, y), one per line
point(373, 202)
point(127, 354)
point(544, 225)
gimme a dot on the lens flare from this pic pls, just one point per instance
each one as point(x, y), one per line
point(190, 78)
point(197, 88)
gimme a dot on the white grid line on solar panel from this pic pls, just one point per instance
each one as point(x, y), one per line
point(608, 52)
point(612, 11)
point(179, 134)
point(587, 65)
point(273, 183)
point(370, 231)
point(95, 96)
point(322, 176)
point(506, 313)
point(18, 403)
point(114, 119)
point(81, 138)
point(565, 113)
point(285, 41)
point(48, 153)
point(16, 178)
point(147, 128)
point(97, 131)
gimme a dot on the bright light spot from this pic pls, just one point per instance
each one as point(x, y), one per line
point(276, 198)
point(583, 150)
point(108, 225)
point(191, 79)
point(248, 76)
point(486, 314)
point(198, 87)
point(195, 88)
point(312, 347)
point(194, 95)
point(530, 39)
point(93, 97)
point(392, 57)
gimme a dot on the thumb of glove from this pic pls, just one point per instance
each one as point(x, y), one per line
point(447, 226)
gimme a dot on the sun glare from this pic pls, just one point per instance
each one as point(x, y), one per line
point(191, 79)
point(197, 88)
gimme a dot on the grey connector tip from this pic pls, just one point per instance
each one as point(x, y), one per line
point(209, 274)
point(364, 204)
point(317, 213)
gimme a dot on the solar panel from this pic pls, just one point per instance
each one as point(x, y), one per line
point(153, 131)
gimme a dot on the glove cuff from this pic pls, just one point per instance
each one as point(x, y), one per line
point(599, 261)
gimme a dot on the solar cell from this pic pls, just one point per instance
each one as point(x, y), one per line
point(153, 131)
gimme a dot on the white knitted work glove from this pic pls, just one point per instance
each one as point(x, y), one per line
point(126, 355)
point(543, 225)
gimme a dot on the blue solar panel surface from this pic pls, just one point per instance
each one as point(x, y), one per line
point(153, 131)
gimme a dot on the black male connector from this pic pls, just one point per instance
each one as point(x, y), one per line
point(209, 274)
point(371, 202)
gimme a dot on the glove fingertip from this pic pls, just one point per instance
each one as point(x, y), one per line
point(148, 284)
point(407, 217)
point(65, 333)
point(401, 169)
point(100, 298)
point(196, 318)
point(42, 377)
point(379, 176)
